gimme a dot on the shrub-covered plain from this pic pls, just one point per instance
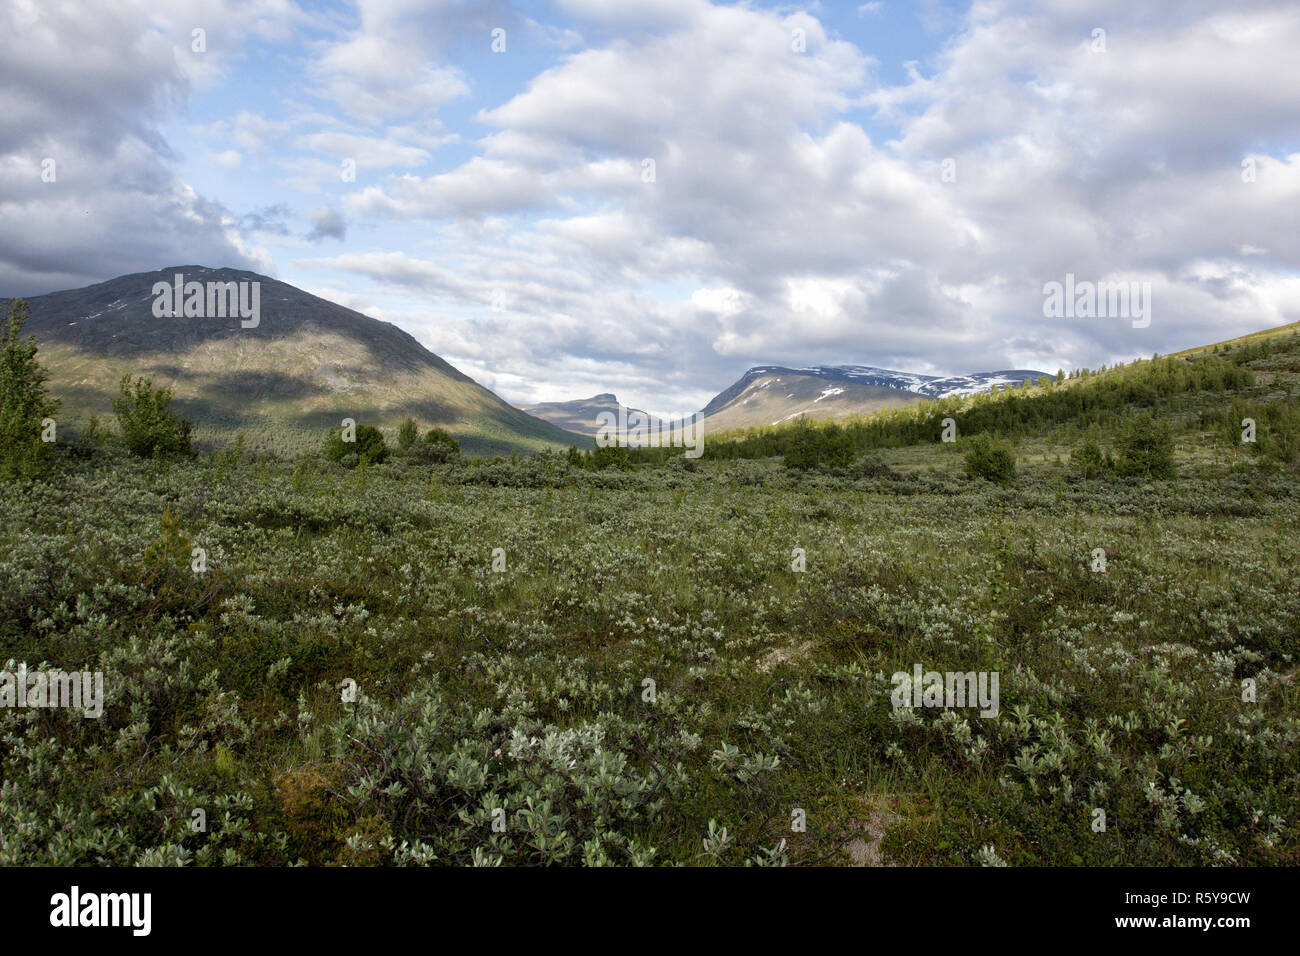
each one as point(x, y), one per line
point(524, 689)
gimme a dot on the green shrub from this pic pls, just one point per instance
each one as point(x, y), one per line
point(1088, 459)
point(24, 404)
point(426, 453)
point(368, 447)
point(819, 445)
point(1280, 426)
point(871, 466)
point(408, 434)
point(149, 428)
point(437, 447)
point(441, 437)
point(94, 434)
point(1146, 449)
point(990, 459)
point(611, 456)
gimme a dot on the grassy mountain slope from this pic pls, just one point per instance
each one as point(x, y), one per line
point(1252, 338)
point(308, 364)
point(774, 395)
point(772, 399)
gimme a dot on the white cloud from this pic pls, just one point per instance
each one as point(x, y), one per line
point(369, 152)
point(89, 87)
point(777, 229)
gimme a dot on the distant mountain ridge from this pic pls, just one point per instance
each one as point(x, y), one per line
point(925, 386)
point(307, 364)
point(774, 394)
point(581, 415)
point(930, 386)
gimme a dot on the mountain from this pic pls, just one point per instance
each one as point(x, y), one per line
point(305, 365)
point(771, 394)
point(581, 414)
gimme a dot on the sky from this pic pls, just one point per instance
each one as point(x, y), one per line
point(648, 197)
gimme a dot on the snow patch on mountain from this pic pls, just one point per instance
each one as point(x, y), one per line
point(931, 386)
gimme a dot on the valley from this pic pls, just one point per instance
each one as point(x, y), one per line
point(413, 663)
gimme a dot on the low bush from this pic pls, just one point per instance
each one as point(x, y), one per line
point(990, 459)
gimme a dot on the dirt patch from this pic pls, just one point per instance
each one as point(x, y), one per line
point(864, 849)
point(784, 655)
